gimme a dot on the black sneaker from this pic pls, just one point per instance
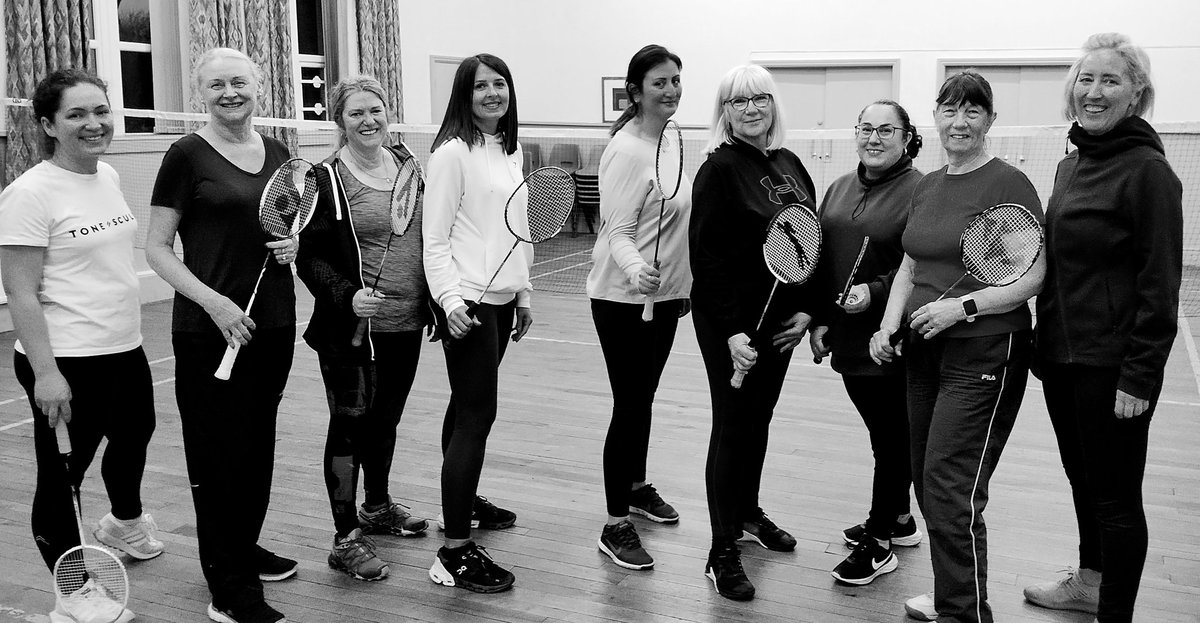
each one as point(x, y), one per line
point(760, 529)
point(470, 567)
point(622, 544)
point(646, 501)
point(488, 516)
point(257, 613)
point(903, 534)
point(271, 567)
point(724, 568)
point(868, 561)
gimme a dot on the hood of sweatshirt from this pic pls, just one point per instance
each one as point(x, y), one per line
point(896, 170)
point(1130, 133)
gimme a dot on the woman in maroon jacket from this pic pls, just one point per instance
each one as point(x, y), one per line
point(1107, 317)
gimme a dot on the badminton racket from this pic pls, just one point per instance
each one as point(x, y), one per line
point(534, 212)
point(89, 581)
point(850, 280)
point(407, 191)
point(791, 250)
point(1000, 245)
point(285, 208)
point(668, 175)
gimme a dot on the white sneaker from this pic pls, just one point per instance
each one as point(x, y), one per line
point(921, 608)
point(134, 536)
point(89, 604)
point(1079, 591)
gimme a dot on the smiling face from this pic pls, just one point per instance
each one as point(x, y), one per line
point(82, 127)
point(753, 124)
point(879, 154)
point(364, 120)
point(660, 91)
point(963, 128)
point(489, 99)
point(1104, 93)
point(229, 90)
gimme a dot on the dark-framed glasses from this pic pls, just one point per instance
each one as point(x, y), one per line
point(885, 132)
point(740, 104)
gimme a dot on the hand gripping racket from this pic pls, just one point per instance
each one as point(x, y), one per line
point(89, 581)
point(407, 192)
point(668, 175)
point(850, 280)
point(791, 250)
point(285, 208)
point(1000, 245)
point(535, 211)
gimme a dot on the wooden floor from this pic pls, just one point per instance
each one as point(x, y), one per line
point(544, 463)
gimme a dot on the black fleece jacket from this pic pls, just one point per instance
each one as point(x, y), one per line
point(1114, 244)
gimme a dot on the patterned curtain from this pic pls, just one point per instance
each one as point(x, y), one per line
point(41, 36)
point(260, 29)
point(379, 48)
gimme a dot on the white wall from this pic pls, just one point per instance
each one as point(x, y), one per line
point(559, 49)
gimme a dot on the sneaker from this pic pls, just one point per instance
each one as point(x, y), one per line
point(485, 515)
point(354, 554)
point(258, 613)
point(1073, 592)
point(760, 529)
point(724, 568)
point(622, 544)
point(903, 534)
point(90, 603)
point(391, 518)
point(470, 567)
point(921, 608)
point(868, 561)
point(133, 536)
point(271, 567)
point(646, 501)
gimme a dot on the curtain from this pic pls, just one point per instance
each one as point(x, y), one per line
point(41, 36)
point(379, 48)
point(260, 29)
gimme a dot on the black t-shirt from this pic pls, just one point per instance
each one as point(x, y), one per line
point(222, 240)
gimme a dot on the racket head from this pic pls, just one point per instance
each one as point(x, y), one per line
point(793, 244)
point(539, 207)
point(1001, 244)
point(91, 584)
point(668, 161)
point(408, 190)
point(288, 199)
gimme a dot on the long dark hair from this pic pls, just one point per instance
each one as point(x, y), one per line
point(914, 144)
point(459, 121)
point(47, 97)
point(646, 59)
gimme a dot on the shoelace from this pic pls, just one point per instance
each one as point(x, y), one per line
point(1073, 583)
point(360, 549)
point(394, 514)
point(729, 560)
point(627, 537)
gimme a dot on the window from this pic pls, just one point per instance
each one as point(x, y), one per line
point(1024, 94)
point(309, 41)
point(823, 97)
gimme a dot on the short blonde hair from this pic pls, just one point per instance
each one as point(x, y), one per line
point(746, 81)
point(343, 90)
point(219, 53)
point(1137, 66)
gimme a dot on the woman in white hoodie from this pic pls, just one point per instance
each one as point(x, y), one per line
point(475, 167)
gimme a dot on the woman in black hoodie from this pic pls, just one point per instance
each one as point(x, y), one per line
point(1107, 317)
point(871, 201)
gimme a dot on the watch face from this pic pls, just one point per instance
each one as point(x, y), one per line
point(970, 308)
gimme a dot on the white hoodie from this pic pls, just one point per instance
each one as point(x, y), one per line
point(463, 230)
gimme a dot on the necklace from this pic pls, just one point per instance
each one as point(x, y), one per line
point(370, 171)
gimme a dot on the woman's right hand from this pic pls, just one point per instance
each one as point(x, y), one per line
point(366, 302)
point(460, 323)
point(234, 324)
point(647, 280)
point(881, 346)
point(740, 351)
point(52, 395)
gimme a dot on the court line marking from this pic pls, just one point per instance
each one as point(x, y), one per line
point(560, 270)
point(1190, 343)
point(562, 257)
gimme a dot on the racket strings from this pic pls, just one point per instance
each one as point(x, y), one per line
point(406, 194)
point(551, 198)
point(91, 584)
point(793, 245)
point(1002, 244)
point(668, 161)
point(288, 199)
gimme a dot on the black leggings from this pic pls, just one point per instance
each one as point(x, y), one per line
point(1105, 461)
point(229, 445)
point(741, 420)
point(881, 401)
point(473, 365)
point(365, 405)
point(112, 397)
point(635, 353)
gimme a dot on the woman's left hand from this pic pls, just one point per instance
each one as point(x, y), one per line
point(1129, 406)
point(793, 332)
point(524, 321)
point(285, 250)
point(933, 318)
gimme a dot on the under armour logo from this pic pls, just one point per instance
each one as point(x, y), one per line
point(776, 191)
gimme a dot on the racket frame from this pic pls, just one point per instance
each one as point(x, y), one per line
point(962, 245)
point(669, 129)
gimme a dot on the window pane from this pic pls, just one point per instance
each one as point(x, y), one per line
point(133, 20)
point(137, 80)
point(312, 92)
point(310, 36)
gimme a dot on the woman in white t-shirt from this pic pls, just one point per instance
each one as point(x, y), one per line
point(66, 244)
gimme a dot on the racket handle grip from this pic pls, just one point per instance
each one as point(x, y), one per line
point(359, 332)
point(64, 438)
point(648, 309)
point(736, 381)
point(226, 367)
point(472, 306)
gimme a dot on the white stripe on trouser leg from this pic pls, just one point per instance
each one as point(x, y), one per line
point(978, 474)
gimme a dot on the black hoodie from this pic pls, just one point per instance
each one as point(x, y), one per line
point(1114, 246)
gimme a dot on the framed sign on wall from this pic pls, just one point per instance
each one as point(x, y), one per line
point(614, 98)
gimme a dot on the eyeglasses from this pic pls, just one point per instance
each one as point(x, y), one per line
point(740, 104)
point(885, 132)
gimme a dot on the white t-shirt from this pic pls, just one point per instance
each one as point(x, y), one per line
point(89, 291)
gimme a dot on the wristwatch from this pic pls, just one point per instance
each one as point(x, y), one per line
point(969, 307)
